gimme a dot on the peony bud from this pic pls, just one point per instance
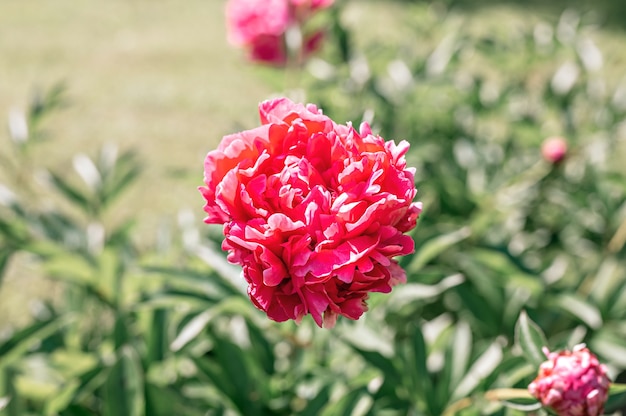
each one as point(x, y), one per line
point(554, 149)
point(572, 383)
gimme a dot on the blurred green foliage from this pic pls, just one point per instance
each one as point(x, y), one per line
point(512, 251)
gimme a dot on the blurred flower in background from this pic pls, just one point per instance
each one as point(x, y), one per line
point(554, 149)
point(572, 383)
point(272, 31)
point(313, 211)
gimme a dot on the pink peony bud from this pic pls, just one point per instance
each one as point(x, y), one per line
point(572, 383)
point(315, 212)
point(554, 149)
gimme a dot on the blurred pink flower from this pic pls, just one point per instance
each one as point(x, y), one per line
point(261, 27)
point(313, 211)
point(572, 383)
point(554, 149)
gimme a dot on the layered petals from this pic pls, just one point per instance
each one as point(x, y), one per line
point(314, 212)
point(572, 383)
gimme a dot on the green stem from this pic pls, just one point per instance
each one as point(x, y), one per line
point(494, 395)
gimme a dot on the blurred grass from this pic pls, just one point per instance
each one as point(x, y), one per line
point(158, 76)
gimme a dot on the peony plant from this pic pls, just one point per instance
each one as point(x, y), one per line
point(313, 211)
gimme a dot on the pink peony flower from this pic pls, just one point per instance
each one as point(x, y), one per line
point(572, 383)
point(313, 211)
point(261, 26)
point(554, 149)
point(249, 19)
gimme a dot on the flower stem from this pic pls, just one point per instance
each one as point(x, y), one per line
point(490, 395)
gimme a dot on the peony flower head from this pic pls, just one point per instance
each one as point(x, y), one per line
point(313, 211)
point(572, 383)
point(262, 26)
point(554, 149)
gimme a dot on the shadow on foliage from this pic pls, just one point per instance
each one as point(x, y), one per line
point(610, 13)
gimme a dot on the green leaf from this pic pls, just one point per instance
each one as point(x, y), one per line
point(483, 316)
point(124, 388)
point(23, 340)
point(192, 329)
point(216, 260)
point(345, 405)
point(417, 371)
point(583, 310)
point(235, 374)
point(461, 352)
point(201, 280)
point(531, 339)
point(61, 399)
point(134, 381)
point(315, 405)
point(434, 247)
point(384, 364)
point(609, 345)
point(480, 369)
point(5, 256)
point(263, 349)
point(69, 192)
point(617, 398)
point(411, 292)
point(156, 336)
point(523, 405)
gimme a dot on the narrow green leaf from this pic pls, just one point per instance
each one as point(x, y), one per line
point(199, 279)
point(192, 330)
point(422, 386)
point(482, 368)
point(345, 405)
point(90, 381)
point(530, 339)
point(263, 349)
point(5, 256)
point(610, 345)
point(523, 405)
point(483, 316)
point(583, 310)
point(240, 370)
point(134, 382)
point(617, 398)
point(229, 273)
point(461, 352)
point(157, 340)
point(216, 376)
point(123, 178)
point(315, 405)
point(23, 340)
point(411, 292)
point(124, 390)
point(436, 246)
point(62, 399)
point(69, 192)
